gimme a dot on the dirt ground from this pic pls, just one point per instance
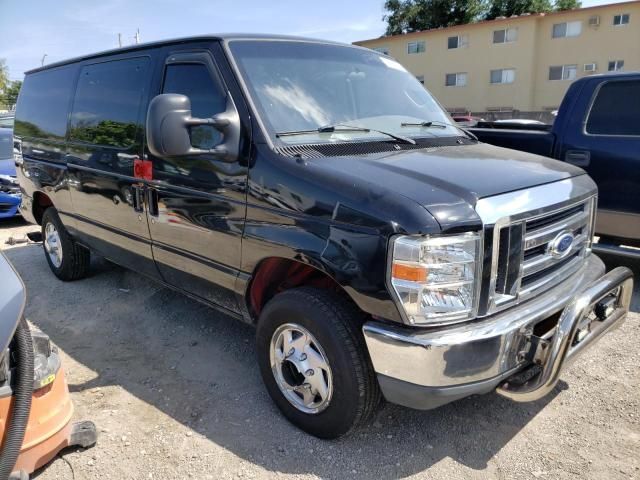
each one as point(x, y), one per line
point(174, 389)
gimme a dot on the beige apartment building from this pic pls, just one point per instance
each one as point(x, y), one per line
point(523, 63)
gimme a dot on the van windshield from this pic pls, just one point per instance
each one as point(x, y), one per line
point(302, 89)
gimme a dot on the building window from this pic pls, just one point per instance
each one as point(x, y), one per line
point(567, 29)
point(455, 79)
point(384, 50)
point(590, 67)
point(505, 75)
point(621, 19)
point(420, 78)
point(563, 72)
point(615, 65)
point(459, 41)
point(506, 35)
point(415, 47)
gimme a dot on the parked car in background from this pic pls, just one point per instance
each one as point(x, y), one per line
point(9, 186)
point(6, 120)
point(467, 120)
point(598, 129)
point(317, 191)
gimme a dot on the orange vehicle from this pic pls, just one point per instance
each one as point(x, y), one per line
point(35, 405)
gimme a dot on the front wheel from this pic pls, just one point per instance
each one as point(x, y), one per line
point(314, 362)
point(67, 259)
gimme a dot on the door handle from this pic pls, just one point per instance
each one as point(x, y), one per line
point(579, 158)
point(138, 198)
point(152, 202)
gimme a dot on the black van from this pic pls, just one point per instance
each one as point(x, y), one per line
point(318, 191)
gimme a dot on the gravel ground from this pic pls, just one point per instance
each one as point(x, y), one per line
point(175, 392)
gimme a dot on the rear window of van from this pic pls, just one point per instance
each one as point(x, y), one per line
point(43, 104)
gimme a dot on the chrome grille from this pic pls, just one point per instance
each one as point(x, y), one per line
point(525, 253)
point(540, 264)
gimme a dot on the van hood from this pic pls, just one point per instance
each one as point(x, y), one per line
point(448, 181)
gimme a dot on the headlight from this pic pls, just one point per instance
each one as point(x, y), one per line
point(436, 278)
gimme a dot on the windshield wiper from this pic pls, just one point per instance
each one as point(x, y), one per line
point(327, 129)
point(422, 124)
point(438, 124)
point(346, 128)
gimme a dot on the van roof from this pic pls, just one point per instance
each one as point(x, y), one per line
point(212, 37)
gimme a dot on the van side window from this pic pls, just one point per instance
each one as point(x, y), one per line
point(107, 104)
point(44, 104)
point(207, 98)
point(616, 109)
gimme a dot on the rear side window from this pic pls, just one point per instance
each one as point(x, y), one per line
point(43, 105)
point(108, 101)
point(616, 109)
point(206, 95)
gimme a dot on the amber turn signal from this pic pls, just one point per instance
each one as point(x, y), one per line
point(411, 273)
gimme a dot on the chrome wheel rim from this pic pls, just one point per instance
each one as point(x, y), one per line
point(301, 368)
point(52, 245)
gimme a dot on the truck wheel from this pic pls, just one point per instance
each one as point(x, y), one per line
point(314, 362)
point(67, 260)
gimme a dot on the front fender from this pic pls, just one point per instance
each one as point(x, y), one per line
point(355, 258)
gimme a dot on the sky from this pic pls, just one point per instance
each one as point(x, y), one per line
point(68, 28)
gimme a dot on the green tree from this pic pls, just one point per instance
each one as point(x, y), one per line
point(4, 75)
point(405, 16)
point(507, 8)
point(567, 5)
point(10, 95)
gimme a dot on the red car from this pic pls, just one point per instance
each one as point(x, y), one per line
point(467, 120)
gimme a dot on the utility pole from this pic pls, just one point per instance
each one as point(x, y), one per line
point(137, 36)
point(120, 40)
point(42, 62)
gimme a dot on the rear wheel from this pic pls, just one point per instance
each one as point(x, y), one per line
point(67, 259)
point(314, 361)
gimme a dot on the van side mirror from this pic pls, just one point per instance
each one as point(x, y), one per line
point(169, 121)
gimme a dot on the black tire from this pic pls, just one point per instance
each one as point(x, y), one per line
point(336, 324)
point(75, 258)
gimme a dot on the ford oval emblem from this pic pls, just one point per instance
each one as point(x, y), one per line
point(560, 246)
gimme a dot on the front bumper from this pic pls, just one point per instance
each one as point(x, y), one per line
point(427, 368)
